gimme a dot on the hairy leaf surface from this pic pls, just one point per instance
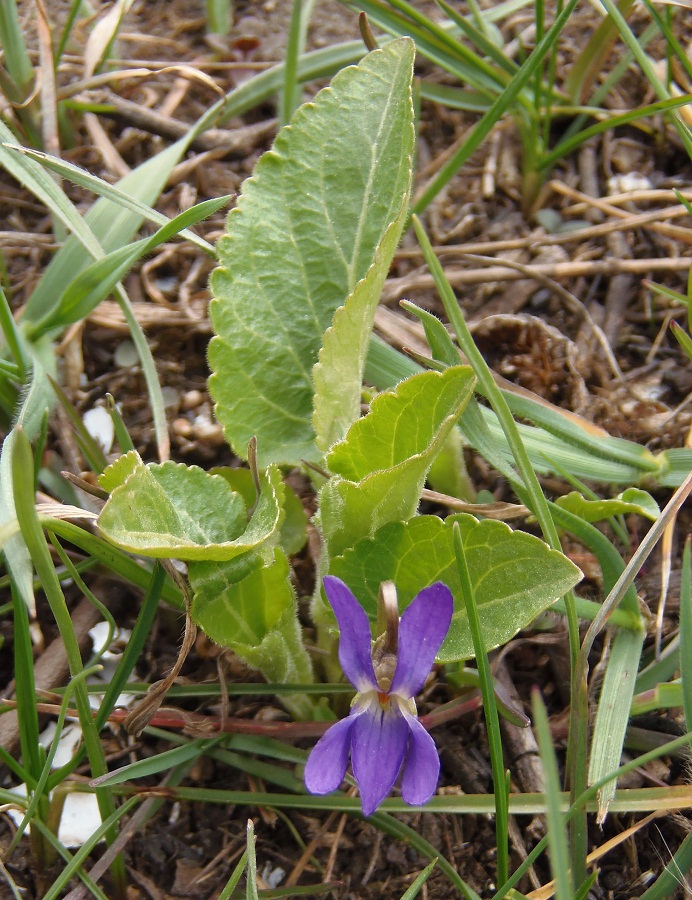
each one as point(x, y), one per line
point(172, 510)
point(304, 233)
point(380, 468)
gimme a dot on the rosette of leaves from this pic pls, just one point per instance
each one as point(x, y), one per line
point(303, 261)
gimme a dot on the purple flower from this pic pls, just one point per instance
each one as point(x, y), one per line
point(382, 730)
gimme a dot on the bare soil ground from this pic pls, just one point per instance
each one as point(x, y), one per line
point(533, 335)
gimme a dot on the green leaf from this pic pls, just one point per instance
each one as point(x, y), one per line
point(383, 462)
point(170, 510)
point(338, 376)
point(254, 613)
point(237, 607)
point(632, 500)
point(304, 233)
point(119, 471)
point(515, 576)
point(294, 528)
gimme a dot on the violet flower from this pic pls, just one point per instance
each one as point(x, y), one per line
point(382, 730)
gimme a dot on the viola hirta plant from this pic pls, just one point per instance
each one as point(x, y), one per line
point(301, 268)
point(382, 731)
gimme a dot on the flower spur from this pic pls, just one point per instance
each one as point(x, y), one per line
point(382, 730)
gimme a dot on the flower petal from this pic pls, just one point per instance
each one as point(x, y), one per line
point(377, 751)
point(326, 765)
point(422, 628)
point(355, 639)
point(422, 766)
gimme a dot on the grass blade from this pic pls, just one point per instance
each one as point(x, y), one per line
point(109, 226)
point(96, 281)
point(686, 632)
point(81, 855)
point(672, 878)
point(557, 831)
point(500, 106)
point(237, 874)
point(414, 890)
point(12, 337)
point(155, 764)
point(82, 178)
point(219, 16)
point(90, 449)
point(490, 711)
point(613, 712)
point(290, 96)
point(23, 463)
point(251, 887)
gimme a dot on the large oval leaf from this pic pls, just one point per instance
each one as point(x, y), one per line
point(306, 230)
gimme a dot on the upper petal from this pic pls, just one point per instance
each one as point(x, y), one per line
point(422, 628)
point(422, 766)
point(354, 634)
point(378, 746)
point(326, 765)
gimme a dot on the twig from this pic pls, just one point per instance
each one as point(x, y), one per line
point(236, 140)
point(457, 277)
point(651, 219)
point(624, 222)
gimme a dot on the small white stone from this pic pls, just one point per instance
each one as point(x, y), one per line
point(99, 424)
point(632, 181)
point(126, 355)
point(273, 876)
point(80, 817)
point(70, 739)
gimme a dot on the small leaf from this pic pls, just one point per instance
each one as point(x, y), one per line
point(383, 462)
point(632, 500)
point(515, 576)
point(171, 510)
point(304, 233)
point(402, 423)
point(338, 375)
point(119, 471)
